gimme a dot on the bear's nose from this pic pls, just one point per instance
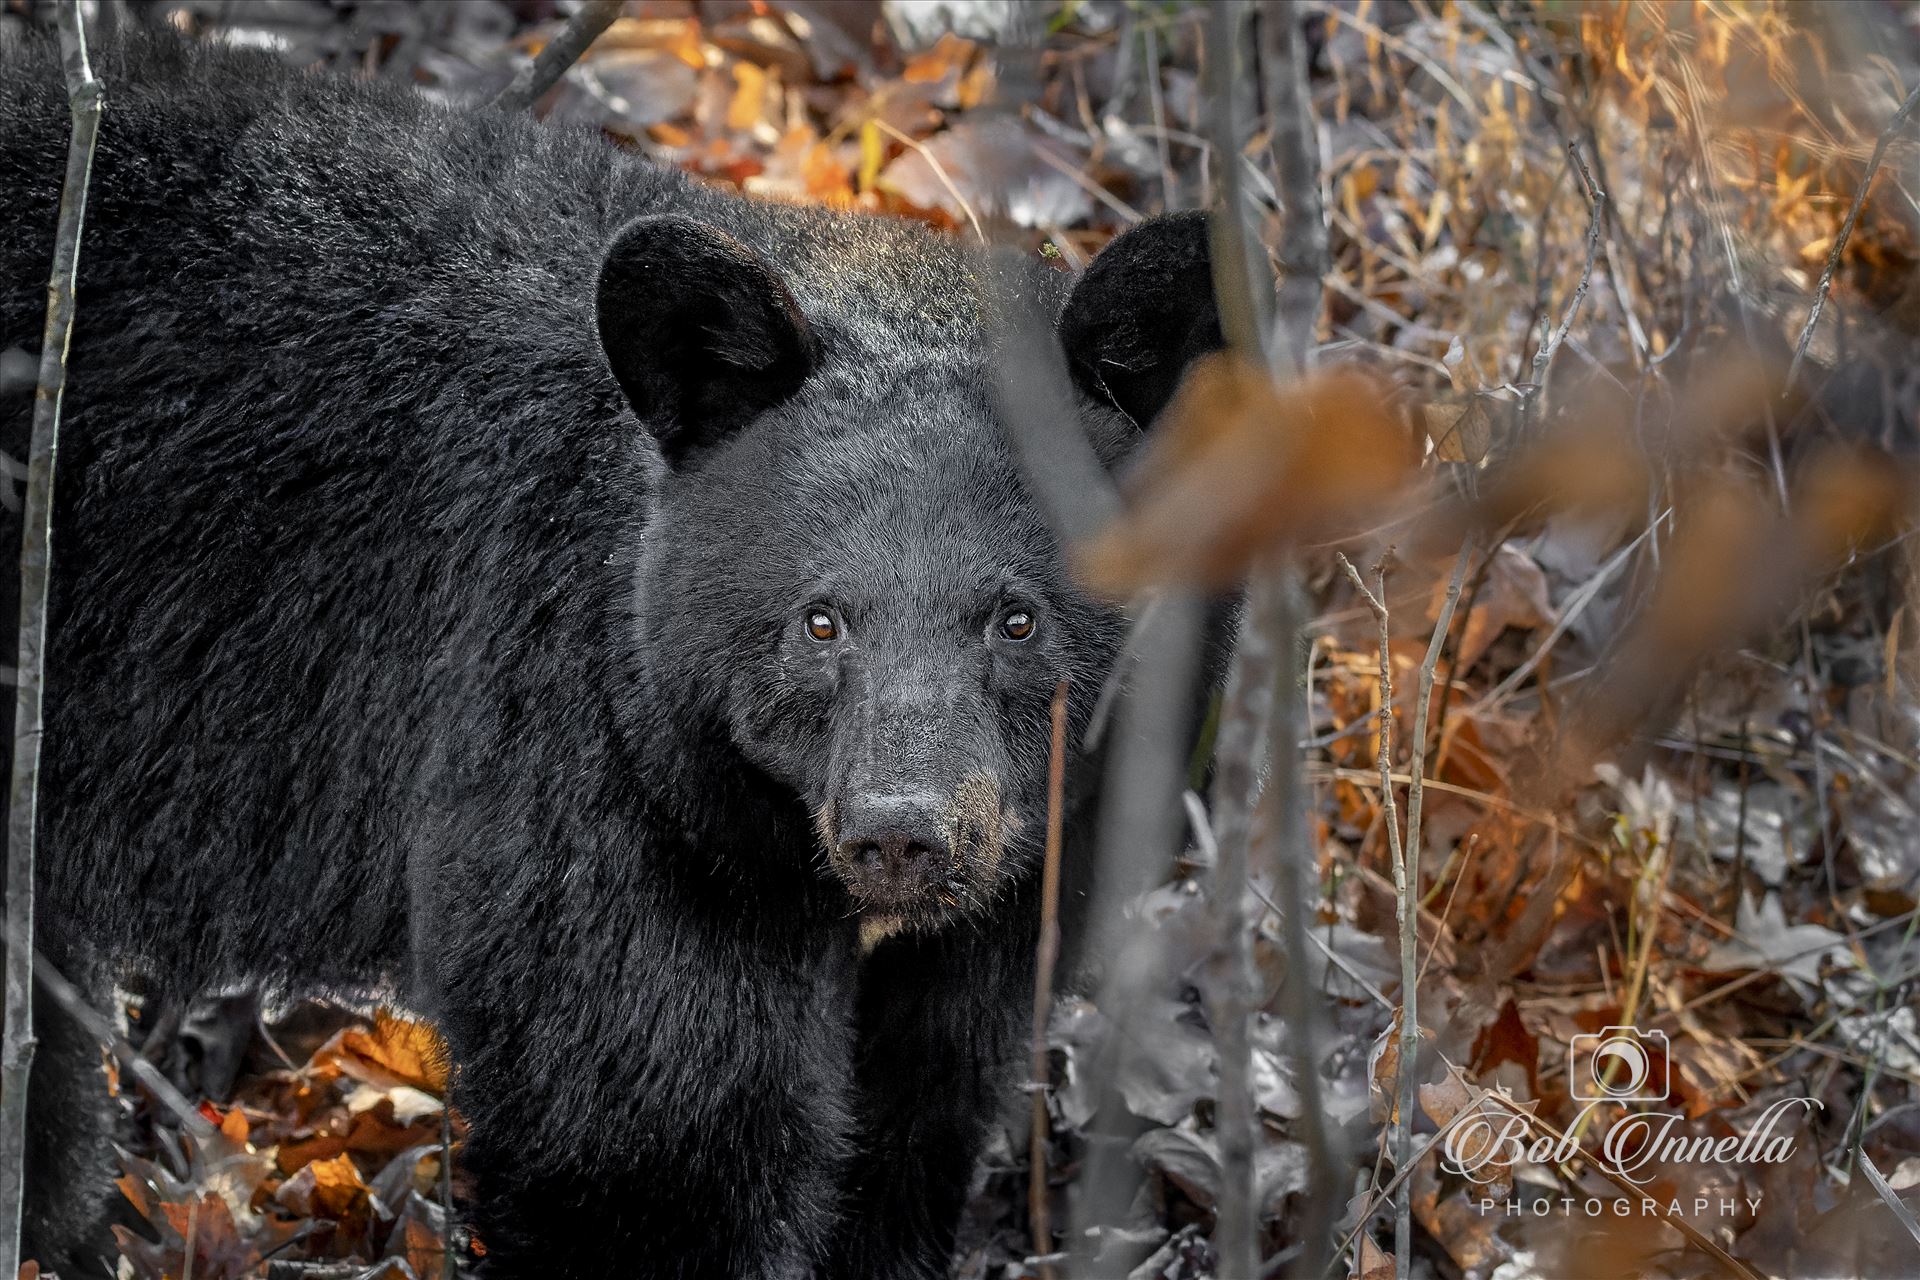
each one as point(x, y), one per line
point(893, 845)
point(891, 853)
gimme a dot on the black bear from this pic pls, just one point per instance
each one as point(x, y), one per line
point(609, 607)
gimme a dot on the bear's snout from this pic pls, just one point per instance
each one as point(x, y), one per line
point(892, 848)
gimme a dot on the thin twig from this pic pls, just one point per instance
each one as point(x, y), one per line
point(85, 97)
point(1406, 887)
point(1596, 225)
point(449, 1246)
point(939, 171)
point(1139, 825)
point(531, 82)
point(192, 1241)
point(1048, 955)
point(1846, 230)
point(1417, 767)
point(1404, 1172)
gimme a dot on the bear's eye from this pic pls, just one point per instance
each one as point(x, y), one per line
point(820, 624)
point(1017, 625)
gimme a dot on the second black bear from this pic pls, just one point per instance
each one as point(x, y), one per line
point(602, 609)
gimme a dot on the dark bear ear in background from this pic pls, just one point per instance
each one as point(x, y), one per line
point(1141, 314)
point(698, 330)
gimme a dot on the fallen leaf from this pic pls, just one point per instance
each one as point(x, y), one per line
point(1764, 940)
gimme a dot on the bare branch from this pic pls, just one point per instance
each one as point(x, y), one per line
point(1416, 793)
point(1048, 956)
point(1596, 225)
point(85, 98)
point(531, 82)
point(1406, 895)
point(1887, 136)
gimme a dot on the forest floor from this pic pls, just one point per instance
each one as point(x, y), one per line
point(1647, 193)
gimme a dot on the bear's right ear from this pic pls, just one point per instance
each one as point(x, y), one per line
point(698, 330)
point(1141, 314)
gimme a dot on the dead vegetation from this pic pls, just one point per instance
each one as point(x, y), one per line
point(1615, 422)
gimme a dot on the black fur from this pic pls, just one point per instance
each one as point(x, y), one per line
point(1142, 314)
point(386, 649)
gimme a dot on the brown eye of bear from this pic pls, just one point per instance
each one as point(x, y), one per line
point(1017, 625)
point(820, 625)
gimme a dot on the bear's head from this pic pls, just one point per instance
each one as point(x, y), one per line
point(843, 571)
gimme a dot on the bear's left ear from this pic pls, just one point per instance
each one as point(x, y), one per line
point(1141, 314)
point(699, 331)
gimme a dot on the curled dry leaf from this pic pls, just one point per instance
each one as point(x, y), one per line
point(1239, 465)
point(395, 1051)
point(1513, 593)
point(996, 166)
point(1373, 1263)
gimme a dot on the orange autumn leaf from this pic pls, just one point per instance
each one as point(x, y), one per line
point(325, 1188)
point(677, 36)
point(394, 1051)
point(749, 99)
point(948, 56)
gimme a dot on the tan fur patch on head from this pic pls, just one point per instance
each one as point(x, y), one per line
point(976, 826)
point(829, 835)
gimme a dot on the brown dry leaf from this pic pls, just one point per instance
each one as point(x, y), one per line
point(1446, 1098)
point(394, 1051)
point(1465, 428)
point(326, 1189)
point(1471, 1238)
point(1513, 594)
point(420, 1246)
point(135, 1190)
point(1373, 1262)
point(943, 65)
point(1238, 466)
point(805, 168)
point(221, 1251)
